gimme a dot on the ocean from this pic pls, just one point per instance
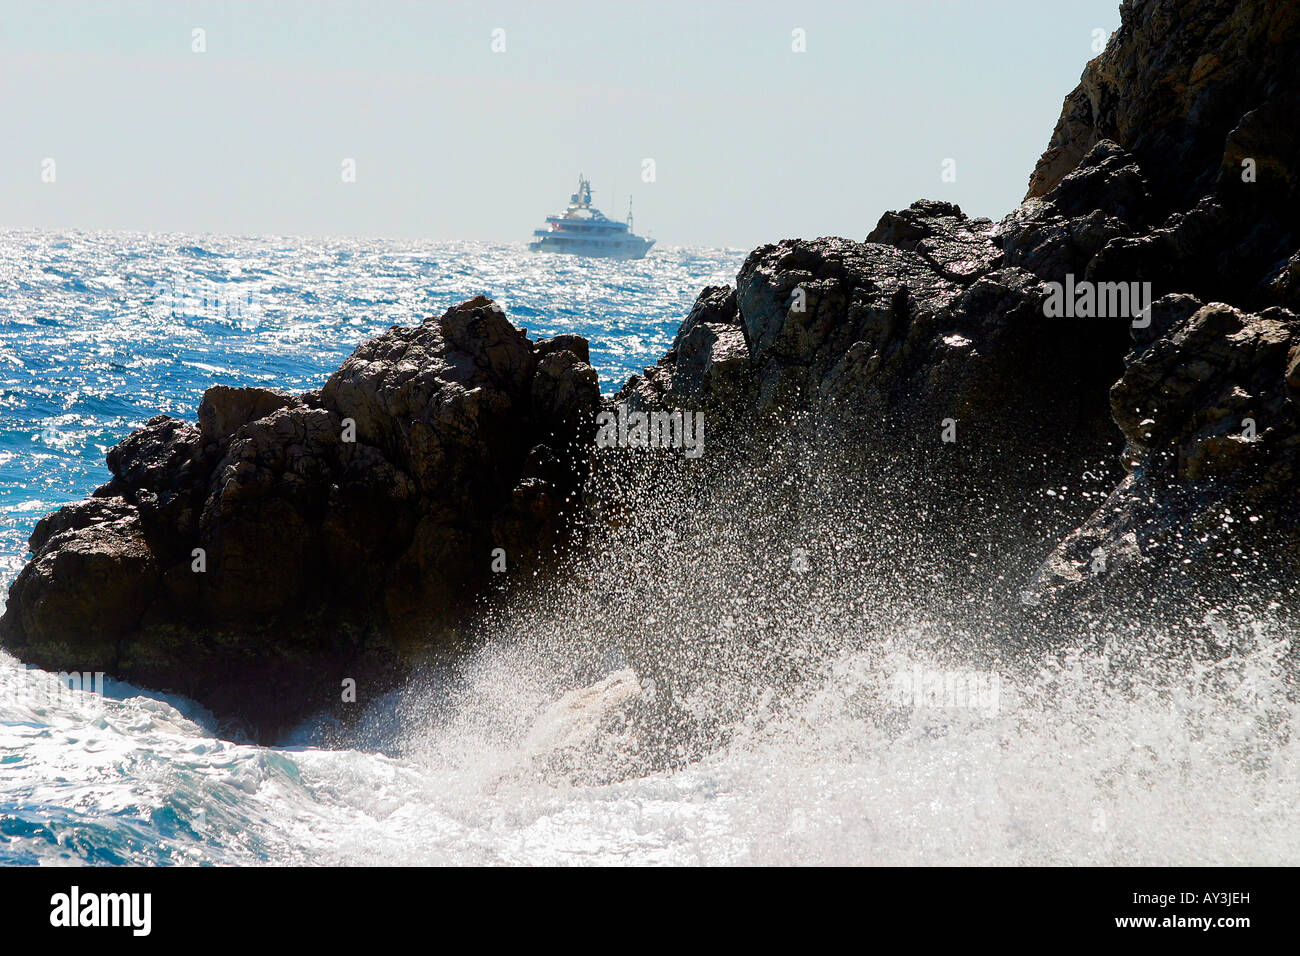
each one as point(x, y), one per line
point(1090, 758)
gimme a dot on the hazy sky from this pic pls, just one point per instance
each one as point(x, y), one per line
point(751, 141)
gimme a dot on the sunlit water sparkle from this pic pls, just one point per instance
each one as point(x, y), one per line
point(1094, 756)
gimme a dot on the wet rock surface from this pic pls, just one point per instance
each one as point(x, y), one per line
point(1208, 410)
point(256, 559)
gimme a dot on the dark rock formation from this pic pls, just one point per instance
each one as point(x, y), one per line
point(709, 358)
point(1173, 164)
point(923, 321)
point(1178, 80)
point(254, 560)
point(863, 355)
point(1104, 199)
point(1211, 508)
point(1194, 90)
point(1202, 97)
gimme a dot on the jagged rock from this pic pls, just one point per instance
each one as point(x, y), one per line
point(1204, 96)
point(708, 362)
point(1174, 83)
point(1195, 92)
point(1213, 497)
point(91, 578)
point(876, 343)
point(224, 409)
point(253, 560)
point(1105, 198)
point(955, 247)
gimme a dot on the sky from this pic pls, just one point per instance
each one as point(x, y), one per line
point(473, 120)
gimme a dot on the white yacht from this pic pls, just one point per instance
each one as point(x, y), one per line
point(583, 230)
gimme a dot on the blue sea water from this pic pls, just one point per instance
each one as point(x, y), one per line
point(101, 331)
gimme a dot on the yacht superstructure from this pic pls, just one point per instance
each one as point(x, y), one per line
point(583, 230)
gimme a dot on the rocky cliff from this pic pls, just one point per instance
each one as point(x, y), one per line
point(285, 543)
point(1203, 97)
point(1171, 174)
point(937, 340)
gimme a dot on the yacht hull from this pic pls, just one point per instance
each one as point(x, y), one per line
point(594, 250)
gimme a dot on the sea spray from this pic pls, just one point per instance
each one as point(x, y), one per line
point(761, 619)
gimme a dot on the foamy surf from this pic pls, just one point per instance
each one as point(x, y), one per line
point(1081, 764)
